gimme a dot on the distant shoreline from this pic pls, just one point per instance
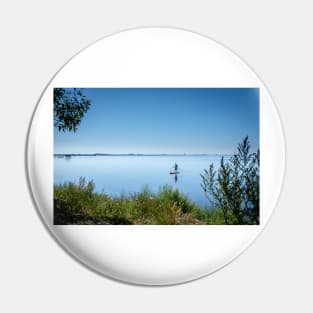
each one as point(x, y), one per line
point(135, 154)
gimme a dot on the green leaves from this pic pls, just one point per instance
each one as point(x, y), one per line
point(78, 203)
point(234, 187)
point(70, 105)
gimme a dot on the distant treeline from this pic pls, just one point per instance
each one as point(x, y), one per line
point(133, 154)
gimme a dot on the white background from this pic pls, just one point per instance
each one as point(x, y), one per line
point(38, 37)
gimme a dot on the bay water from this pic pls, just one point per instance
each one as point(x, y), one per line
point(115, 175)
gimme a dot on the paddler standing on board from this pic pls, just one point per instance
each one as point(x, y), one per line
point(175, 167)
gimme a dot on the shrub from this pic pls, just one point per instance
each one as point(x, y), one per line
point(234, 188)
point(79, 204)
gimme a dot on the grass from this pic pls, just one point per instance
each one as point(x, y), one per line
point(80, 204)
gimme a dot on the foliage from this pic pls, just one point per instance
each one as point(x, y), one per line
point(234, 187)
point(70, 105)
point(79, 204)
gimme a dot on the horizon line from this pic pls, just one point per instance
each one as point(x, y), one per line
point(139, 154)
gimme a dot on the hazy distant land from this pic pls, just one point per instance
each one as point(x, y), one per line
point(138, 154)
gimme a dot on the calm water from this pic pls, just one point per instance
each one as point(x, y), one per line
point(114, 175)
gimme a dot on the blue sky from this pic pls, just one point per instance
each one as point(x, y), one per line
point(164, 120)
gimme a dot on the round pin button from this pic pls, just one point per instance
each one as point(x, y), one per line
point(155, 156)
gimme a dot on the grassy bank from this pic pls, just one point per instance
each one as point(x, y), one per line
point(80, 204)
